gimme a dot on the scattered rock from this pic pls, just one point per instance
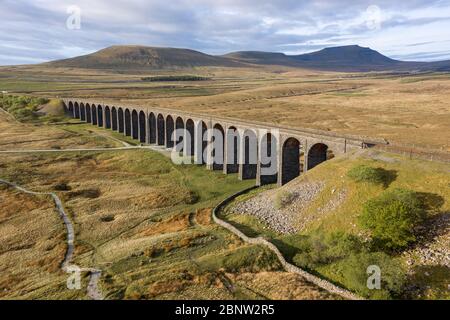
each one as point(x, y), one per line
point(282, 220)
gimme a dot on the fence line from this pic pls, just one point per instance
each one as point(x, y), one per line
point(413, 152)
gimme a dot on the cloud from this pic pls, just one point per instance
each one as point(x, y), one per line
point(35, 30)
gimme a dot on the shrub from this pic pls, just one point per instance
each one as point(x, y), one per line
point(63, 186)
point(392, 218)
point(87, 193)
point(363, 173)
point(192, 197)
point(107, 218)
point(283, 198)
point(354, 270)
point(174, 78)
point(319, 249)
point(24, 114)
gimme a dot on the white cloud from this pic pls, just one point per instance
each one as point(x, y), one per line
point(36, 30)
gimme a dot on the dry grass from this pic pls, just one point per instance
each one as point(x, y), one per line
point(281, 286)
point(402, 109)
point(32, 246)
point(133, 220)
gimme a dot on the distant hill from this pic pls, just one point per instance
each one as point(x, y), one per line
point(140, 57)
point(346, 58)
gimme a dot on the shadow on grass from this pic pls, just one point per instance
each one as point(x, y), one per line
point(428, 282)
point(430, 201)
point(245, 229)
point(388, 176)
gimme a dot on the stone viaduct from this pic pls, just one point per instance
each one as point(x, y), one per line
point(251, 149)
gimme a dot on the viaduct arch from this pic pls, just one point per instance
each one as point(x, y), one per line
point(250, 149)
point(88, 113)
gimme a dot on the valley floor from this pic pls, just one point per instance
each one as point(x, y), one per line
point(141, 220)
point(406, 110)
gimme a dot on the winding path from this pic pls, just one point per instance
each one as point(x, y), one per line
point(92, 290)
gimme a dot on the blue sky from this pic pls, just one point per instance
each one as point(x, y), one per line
point(34, 31)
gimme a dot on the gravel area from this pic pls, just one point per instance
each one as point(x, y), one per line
point(282, 220)
point(432, 248)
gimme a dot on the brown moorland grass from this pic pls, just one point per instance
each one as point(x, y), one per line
point(148, 247)
point(405, 109)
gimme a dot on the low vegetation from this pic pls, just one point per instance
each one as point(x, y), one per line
point(21, 107)
point(32, 109)
point(364, 173)
point(283, 198)
point(144, 221)
point(350, 257)
point(174, 78)
point(391, 214)
point(392, 218)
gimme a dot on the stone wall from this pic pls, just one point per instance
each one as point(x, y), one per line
point(324, 284)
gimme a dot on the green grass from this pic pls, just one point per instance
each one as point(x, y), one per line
point(129, 272)
point(429, 180)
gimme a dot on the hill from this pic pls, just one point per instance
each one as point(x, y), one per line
point(351, 58)
point(141, 57)
point(346, 59)
point(322, 210)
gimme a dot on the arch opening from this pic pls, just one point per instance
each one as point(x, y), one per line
point(142, 128)
point(121, 122)
point(218, 145)
point(268, 159)
point(250, 156)
point(134, 125)
point(152, 128)
point(100, 116)
point(127, 122)
point(161, 130)
point(77, 110)
point(88, 113)
point(107, 117)
point(233, 144)
point(317, 154)
point(179, 137)
point(70, 112)
point(94, 115)
point(291, 160)
point(169, 132)
point(114, 118)
point(190, 138)
point(82, 112)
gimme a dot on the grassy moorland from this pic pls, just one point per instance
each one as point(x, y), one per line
point(331, 237)
point(140, 219)
point(401, 108)
point(145, 222)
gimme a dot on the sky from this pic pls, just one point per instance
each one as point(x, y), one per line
point(33, 31)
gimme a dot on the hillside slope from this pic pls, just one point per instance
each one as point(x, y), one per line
point(141, 57)
point(326, 203)
point(351, 58)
